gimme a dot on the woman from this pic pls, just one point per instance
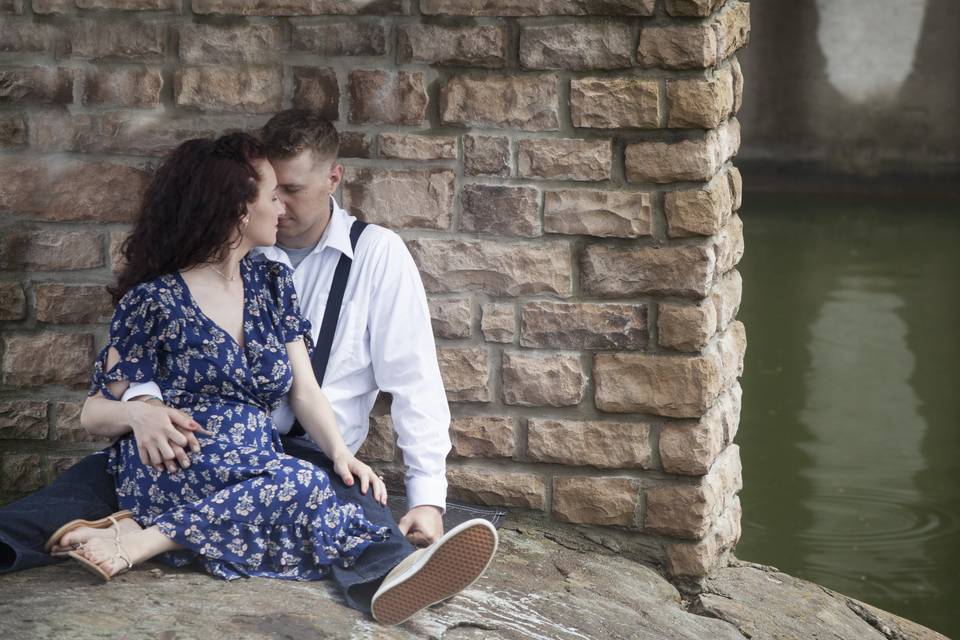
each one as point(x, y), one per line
point(223, 336)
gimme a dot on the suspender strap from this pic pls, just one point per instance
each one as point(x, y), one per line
point(331, 315)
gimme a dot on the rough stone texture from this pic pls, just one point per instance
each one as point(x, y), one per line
point(498, 322)
point(486, 156)
point(66, 303)
point(733, 27)
point(564, 159)
point(737, 73)
point(679, 387)
point(400, 199)
point(50, 250)
point(36, 85)
point(696, 160)
point(736, 187)
point(726, 297)
point(22, 472)
point(317, 88)
point(690, 447)
point(704, 212)
point(130, 40)
point(451, 318)
point(137, 88)
point(23, 420)
point(583, 325)
point(605, 214)
point(691, 510)
point(678, 46)
point(621, 272)
point(387, 97)
point(603, 501)
point(354, 144)
point(482, 436)
point(413, 147)
point(538, 7)
point(13, 131)
point(693, 7)
point(466, 373)
point(117, 262)
point(247, 44)
point(301, 7)
point(606, 445)
point(576, 46)
point(682, 327)
point(479, 46)
point(728, 245)
point(28, 37)
point(380, 444)
point(614, 103)
point(13, 302)
point(701, 102)
point(542, 380)
point(497, 487)
point(340, 39)
point(242, 88)
point(528, 102)
point(705, 556)
point(33, 359)
point(68, 427)
point(497, 268)
point(502, 210)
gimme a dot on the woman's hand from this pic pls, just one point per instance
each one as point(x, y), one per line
point(163, 434)
point(346, 466)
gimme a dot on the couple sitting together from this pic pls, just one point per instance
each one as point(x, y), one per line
point(238, 264)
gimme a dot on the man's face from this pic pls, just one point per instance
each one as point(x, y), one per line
point(305, 185)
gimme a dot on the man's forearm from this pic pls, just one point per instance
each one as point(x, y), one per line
point(110, 418)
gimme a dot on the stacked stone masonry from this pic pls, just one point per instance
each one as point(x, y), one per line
point(560, 170)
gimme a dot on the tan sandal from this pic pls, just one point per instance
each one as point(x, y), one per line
point(96, 569)
point(102, 523)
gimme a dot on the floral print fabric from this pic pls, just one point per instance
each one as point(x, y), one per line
point(242, 508)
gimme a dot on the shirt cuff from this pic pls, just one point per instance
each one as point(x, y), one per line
point(431, 491)
point(137, 389)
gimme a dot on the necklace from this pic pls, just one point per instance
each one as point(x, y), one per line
point(222, 274)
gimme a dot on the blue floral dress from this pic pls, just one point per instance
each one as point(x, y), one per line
point(243, 507)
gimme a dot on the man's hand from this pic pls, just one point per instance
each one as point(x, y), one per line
point(423, 525)
point(163, 434)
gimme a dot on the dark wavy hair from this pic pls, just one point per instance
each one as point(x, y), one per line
point(191, 208)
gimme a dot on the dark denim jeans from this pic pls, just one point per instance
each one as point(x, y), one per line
point(86, 490)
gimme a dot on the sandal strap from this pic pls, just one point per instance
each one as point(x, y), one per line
point(122, 554)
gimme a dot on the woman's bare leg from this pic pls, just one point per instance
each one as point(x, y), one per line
point(139, 545)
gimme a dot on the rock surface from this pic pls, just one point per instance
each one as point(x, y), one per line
point(535, 589)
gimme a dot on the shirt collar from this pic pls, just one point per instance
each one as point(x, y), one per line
point(336, 236)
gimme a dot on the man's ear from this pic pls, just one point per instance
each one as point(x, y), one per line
point(336, 175)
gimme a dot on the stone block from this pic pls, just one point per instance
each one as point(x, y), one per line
point(73, 303)
point(59, 464)
point(602, 501)
point(501, 210)
point(606, 445)
point(576, 47)
point(733, 27)
point(22, 472)
point(498, 322)
point(380, 443)
point(127, 133)
point(13, 302)
point(35, 359)
point(737, 75)
point(583, 325)
point(336, 39)
point(703, 211)
point(728, 245)
point(68, 425)
point(128, 40)
point(405, 146)
point(482, 436)
point(466, 373)
point(400, 199)
point(116, 254)
point(678, 46)
point(702, 103)
point(486, 156)
point(604, 214)
point(252, 44)
point(699, 8)
point(494, 267)
point(736, 187)
point(694, 160)
point(726, 296)
point(615, 103)
point(13, 131)
point(451, 318)
point(136, 88)
point(542, 379)
point(690, 447)
point(36, 85)
point(354, 144)
point(129, 5)
point(699, 559)
point(317, 88)
point(23, 420)
point(731, 347)
point(565, 159)
point(28, 37)
point(619, 272)
point(468, 46)
point(50, 250)
point(11, 7)
point(537, 8)
point(495, 486)
point(387, 97)
point(528, 102)
point(673, 386)
point(239, 89)
point(684, 327)
point(301, 7)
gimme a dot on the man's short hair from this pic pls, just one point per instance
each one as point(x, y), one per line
point(293, 131)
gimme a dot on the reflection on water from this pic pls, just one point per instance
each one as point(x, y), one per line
point(850, 430)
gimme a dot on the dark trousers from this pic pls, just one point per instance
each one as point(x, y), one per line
point(86, 491)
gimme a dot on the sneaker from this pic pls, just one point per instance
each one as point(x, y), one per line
point(430, 575)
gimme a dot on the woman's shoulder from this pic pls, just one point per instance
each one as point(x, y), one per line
point(158, 295)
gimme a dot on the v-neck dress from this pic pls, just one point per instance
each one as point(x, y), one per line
point(243, 507)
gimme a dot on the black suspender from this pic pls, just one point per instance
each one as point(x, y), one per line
point(331, 315)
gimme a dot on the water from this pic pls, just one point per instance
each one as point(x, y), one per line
point(850, 430)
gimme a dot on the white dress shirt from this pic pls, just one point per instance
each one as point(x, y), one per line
point(383, 341)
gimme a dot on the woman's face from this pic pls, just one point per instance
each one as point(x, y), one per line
point(264, 212)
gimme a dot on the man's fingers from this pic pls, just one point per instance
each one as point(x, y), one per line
point(175, 436)
point(192, 442)
point(168, 456)
point(404, 524)
point(182, 456)
point(144, 456)
point(419, 539)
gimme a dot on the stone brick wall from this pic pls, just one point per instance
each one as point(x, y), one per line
point(561, 170)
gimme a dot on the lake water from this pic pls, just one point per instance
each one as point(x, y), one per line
point(850, 431)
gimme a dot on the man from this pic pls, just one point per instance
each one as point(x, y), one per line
point(383, 342)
